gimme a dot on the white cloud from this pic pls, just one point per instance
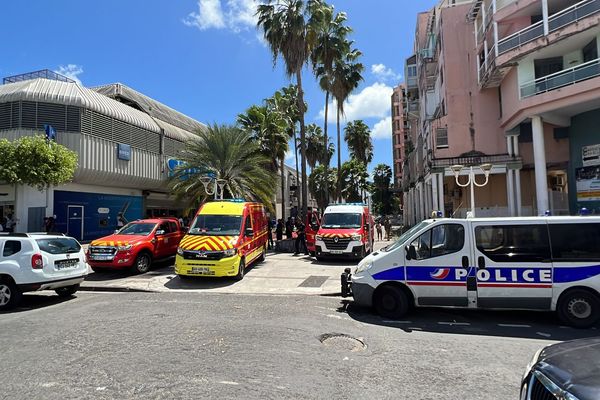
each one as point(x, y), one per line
point(385, 74)
point(289, 155)
point(371, 102)
point(235, 15)
point(382, 129)
point(71, 71)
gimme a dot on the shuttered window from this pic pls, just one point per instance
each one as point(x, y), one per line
point(441, 138)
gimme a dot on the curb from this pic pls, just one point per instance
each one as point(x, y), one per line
point(113, 289)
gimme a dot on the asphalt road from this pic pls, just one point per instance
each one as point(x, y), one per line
point(226, 346)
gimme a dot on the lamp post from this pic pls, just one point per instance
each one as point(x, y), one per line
point(218, 185)
point(485, 168)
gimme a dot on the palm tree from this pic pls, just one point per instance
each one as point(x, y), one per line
point(358, 136)
point(382, 178)
point(268, 127)
point(322, 184)
point(346, 77)
point(332, 45)
point(316, 153)
point(227, 153)
point(288, 27)
point(354, 180)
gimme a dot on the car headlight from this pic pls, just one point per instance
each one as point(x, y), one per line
point(180, 251)
point(318, 237)
point(356, 238)
point(230, 252)
point(362, 267)
point(125, 247)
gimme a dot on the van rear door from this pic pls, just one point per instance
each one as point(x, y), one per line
point(514, 268)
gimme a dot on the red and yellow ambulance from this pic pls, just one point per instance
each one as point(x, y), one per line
point(224, 238)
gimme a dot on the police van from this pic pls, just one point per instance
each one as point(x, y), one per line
point(530, 263)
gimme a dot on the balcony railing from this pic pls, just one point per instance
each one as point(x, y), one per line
point(562, 78)
point(556, 21)
point(495, 159)
point(411, 82)
point(486, 65)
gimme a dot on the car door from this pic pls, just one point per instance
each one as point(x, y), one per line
point(514, 267)
point(173, 237)
point(162, 240)
point(437, 265)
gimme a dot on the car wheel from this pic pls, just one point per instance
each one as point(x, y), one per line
point(579, 308)
point(67, 291)
point(241, 270)
point(390, 302)
point(10, 295)
point(142, 263)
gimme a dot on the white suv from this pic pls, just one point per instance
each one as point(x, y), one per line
point(38, 261)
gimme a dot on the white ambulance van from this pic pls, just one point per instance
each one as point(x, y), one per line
point(530, 263)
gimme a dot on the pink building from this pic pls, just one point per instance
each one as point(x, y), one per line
point(398, 133)
point(511, 84)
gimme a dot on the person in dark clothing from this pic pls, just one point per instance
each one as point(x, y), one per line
point(301, 238)
point(270, 233)
point(49, 224)
point(279, 229)
point(289, 228)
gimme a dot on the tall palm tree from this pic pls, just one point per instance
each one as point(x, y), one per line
point(322, 184)
point(332, 45)
point(358, 136)
point(354, 180)
point(289, 28)
point(382, 178)
point(227, 153)
point(316, 152)
point(268, 128)
point(346, 77)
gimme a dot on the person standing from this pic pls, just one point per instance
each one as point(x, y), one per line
point(10, 223)
point(279, 230)
point(378, 228)
point(271, 223)
point(289, 228)
point(301, 237)
point(49, 224)
point(388, 227)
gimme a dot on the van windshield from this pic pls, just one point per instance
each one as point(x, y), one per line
point(206, 224)
point(406, 235)
point(342, 220)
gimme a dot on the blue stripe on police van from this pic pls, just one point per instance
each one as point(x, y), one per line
point(394, 274)
point(573, 274)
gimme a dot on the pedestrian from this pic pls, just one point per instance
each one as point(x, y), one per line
point(301, 237)
point(10, 223)
point(270, 234)
point(378, 228)
point(388, 227)
point(49, 224)
point(180, 219)
point(289, 228)
point(121, 221)
point(279, 230)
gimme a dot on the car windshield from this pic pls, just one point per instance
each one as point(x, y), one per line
point(406, 235)
point(143, 229)
point(206, 224)
point(59, 245)
point(342, 220)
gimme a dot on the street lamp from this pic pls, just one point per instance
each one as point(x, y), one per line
point(485, 168)
point(218, 185)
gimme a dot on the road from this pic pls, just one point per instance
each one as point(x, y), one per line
point(220, 345)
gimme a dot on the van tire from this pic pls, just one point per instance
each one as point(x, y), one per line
point(67, 291)
point(241, 270)
point(579, 308)
point(142, 263)
point(390, 302)
point(263, 255)
point(10, 290)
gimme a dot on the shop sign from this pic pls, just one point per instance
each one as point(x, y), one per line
point(173, 164)
point(123, 151)
point(590, 155)
point(588, 183)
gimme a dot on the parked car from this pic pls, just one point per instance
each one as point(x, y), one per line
point(137, 245)
point(31, 262)
point(568, 370)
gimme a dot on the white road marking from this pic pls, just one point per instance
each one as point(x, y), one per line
point(229, 383)
point(101, 388)
point(544, 334)
point(454, 323)
point(514, 325)
point(396, 322)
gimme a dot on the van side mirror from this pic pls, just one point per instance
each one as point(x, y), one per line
point(249, 232)
point(411, 252)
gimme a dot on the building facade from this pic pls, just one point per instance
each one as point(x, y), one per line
point(511, 84)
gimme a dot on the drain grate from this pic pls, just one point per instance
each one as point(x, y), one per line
point(314, 281)
point(341, 341)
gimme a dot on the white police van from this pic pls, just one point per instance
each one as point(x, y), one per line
point(531, 263)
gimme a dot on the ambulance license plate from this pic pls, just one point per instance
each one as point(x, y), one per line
point(200, 270)
point(336, 251)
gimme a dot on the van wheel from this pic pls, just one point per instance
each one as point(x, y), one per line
point(263, 255)
point(241, 270)
point(390, 302)
point(142, 263)
point(67, 291)
point(579, 308)
point(10, 295)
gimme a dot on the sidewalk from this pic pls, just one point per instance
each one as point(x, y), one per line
point(280, 273)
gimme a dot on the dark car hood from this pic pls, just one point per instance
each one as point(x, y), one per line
point(574, 366)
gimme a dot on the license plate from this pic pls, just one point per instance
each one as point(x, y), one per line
point(336, 251)
point(101, 257)
point(200, 270)
point(62, 264)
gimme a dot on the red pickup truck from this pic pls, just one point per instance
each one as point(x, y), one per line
point(137, 245)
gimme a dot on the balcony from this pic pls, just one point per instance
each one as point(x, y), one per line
point(561, 19)
point(581, 72)
point(472, 160)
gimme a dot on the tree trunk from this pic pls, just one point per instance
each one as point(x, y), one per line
point(298, 190)
point(326, 149)
point(302, 144)
point(282, 188)
point(339, 159)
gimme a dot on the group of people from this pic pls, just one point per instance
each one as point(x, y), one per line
point(383, 224)
point(7, 224)
point(290, 227)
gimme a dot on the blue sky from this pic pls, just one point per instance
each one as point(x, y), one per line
point(203, 57)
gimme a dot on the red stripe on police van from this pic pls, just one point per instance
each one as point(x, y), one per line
point(437, 283)
point(514, 285)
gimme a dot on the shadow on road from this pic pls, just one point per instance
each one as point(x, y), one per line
point(36, 301)
point(514, 324)
point(157, 269)
point(201, 282)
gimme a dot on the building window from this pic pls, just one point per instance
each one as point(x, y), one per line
point(547, 66)
point(590, 51)
point(441, 138)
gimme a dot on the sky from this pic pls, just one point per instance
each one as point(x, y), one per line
point(205, 58)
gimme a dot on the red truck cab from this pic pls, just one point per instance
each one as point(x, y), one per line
point(137, 245)
point(312, 224)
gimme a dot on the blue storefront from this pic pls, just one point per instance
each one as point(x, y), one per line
point(87, 216)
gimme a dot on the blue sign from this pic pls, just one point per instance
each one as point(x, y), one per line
point(173, 164)
point(123, 151)
point(50, 132)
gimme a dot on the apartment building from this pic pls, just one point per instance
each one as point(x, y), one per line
point(509, 89)
point(398, 133)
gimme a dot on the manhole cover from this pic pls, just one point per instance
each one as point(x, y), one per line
point(342, 341)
